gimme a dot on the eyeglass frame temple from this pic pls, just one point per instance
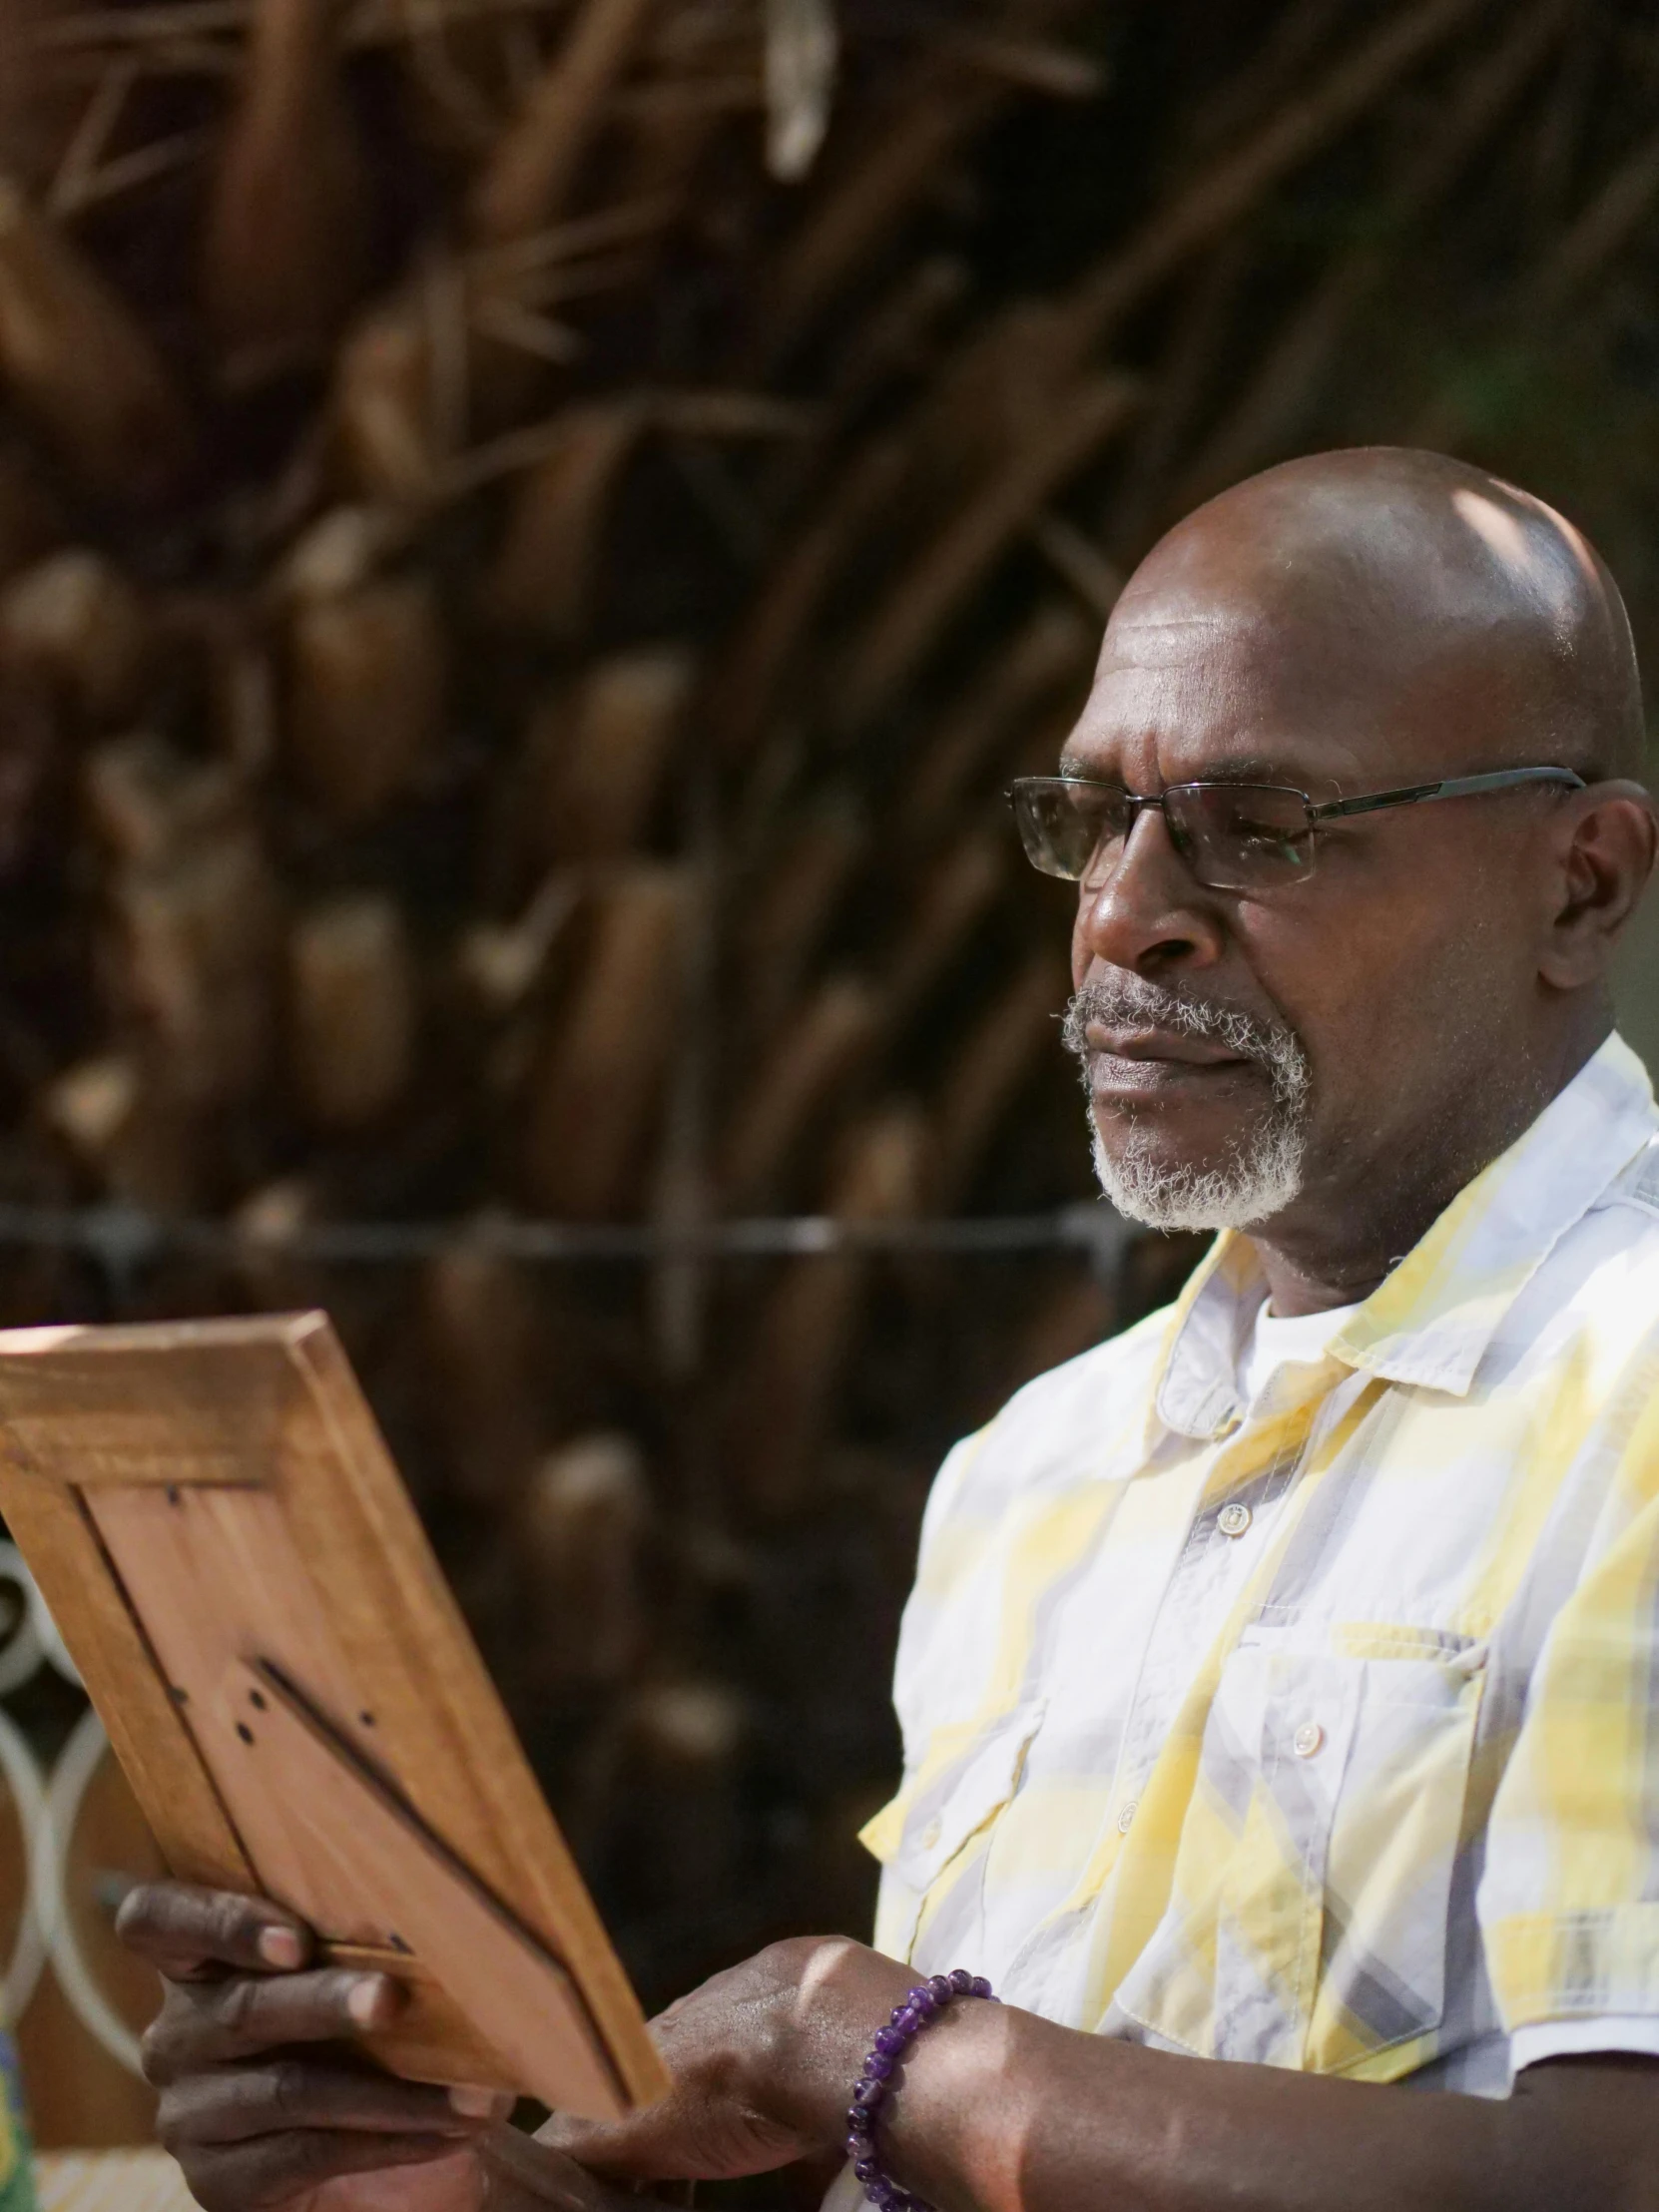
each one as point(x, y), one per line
point(1409, 795)
point(1449, 786)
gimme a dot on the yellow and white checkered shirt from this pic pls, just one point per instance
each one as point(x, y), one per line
point(1321, 1731)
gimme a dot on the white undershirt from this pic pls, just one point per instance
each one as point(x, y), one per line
point(1280, 1340)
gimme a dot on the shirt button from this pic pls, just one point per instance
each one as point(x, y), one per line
point(1308, 1739)
point(1233, 1520)
point(1126, 1818)
point(932, 1833)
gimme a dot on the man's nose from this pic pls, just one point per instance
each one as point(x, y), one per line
point(1151, 913)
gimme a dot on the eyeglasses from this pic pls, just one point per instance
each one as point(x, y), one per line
point(1233, 836)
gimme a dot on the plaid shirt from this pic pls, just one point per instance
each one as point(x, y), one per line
point(1321, 1731)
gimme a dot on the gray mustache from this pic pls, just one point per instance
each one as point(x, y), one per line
point(1125, 1001)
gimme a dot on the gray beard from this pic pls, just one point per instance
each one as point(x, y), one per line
point(1263, 1170)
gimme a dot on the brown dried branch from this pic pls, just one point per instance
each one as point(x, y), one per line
point(929, 596)
point(78, 361)
point(531, 174)
point(286, 238)
point(596, 1089)
point(1293, 367)
point(826, 1047)
point(784, 1404)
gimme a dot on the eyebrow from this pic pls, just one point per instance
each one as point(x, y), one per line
point(1256, 768)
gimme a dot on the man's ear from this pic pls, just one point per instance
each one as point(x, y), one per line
point(1608, 843)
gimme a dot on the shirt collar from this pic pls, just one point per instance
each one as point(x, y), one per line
point(1431, 1320)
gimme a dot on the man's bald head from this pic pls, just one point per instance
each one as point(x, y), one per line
point(1404, 582)
point(1327, 1059)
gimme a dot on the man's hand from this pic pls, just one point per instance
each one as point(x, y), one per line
point(269, 2105)
point(764, 2057)
point(264, 2101)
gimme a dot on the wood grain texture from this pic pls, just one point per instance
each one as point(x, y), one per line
point(501, 1825)
point(101, 1403)
point(358, 1832)
point(284, 1537)
point(50, 1526)
point(215, 1578)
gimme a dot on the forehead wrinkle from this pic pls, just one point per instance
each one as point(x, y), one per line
point(1331, 661)
point(1214, 675)
point(1215, 729)
point(1200, 721)
point(1180, 615)
point(1153, 639)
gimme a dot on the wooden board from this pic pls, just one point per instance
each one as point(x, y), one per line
point(218, 1528)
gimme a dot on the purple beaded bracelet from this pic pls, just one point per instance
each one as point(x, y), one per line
point(923, 2004)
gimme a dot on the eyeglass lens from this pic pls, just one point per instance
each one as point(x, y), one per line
point(1234, 836)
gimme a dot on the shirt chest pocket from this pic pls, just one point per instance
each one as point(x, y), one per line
point(965, 1779)
point(1314, 1872)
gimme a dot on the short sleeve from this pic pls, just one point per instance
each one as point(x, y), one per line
point(1568, 1905)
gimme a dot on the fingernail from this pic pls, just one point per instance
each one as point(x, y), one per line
point(368, 2000)
point(281, 1946)
point(480, 2104)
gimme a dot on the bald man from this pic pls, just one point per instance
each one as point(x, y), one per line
point(1280, 1686)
